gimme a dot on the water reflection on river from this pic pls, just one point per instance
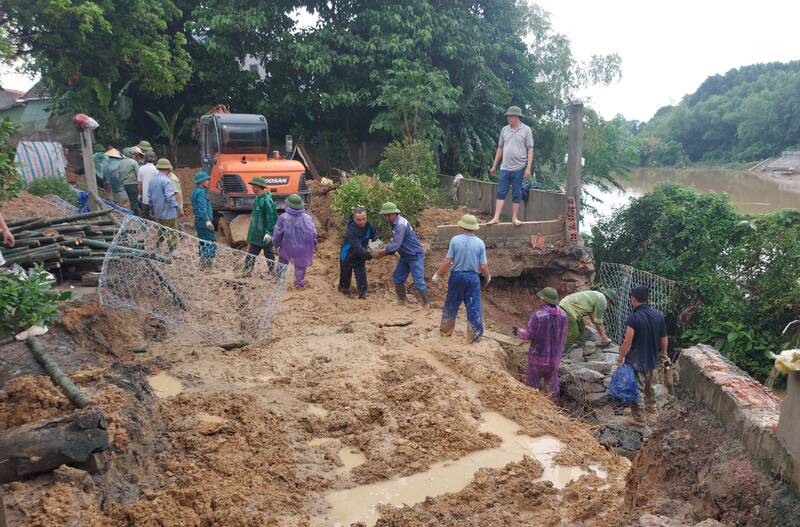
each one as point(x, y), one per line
point(748, 193)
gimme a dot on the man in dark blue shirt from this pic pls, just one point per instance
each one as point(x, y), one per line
point(645, 342)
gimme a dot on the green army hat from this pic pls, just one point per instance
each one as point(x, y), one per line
point(611, 294)
point(295, 201)
point(258, 182)
point(514, 110)
point(469, 222)
point(145, 146)
point(164, 164)
point(549, 295)
point(389, 208)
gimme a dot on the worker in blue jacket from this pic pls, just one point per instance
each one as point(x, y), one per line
point(203, 215)
point(412, 256)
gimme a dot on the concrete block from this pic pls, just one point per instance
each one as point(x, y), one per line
point(749, 410)
point(789, 421)
point(598, 399)
point(586, 375)
point(505, 230)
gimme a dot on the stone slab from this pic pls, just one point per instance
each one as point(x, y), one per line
point(749, 410)
point(600, 367)
point(789, 423)
point(505, 230)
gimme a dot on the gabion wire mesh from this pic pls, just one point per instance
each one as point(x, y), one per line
point(169, 275)
point(663, 294)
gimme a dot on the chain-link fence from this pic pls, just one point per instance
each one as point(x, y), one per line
point(664, 295)
point(222, 294)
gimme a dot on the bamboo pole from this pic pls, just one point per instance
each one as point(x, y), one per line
point(57, 376)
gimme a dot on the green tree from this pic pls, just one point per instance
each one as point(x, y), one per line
point(10, 180)
point(170, 130)
point(77, 46)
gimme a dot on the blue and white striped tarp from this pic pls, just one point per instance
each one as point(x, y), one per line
point(39, 159)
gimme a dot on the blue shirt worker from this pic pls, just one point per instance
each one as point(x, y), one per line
point(412, 256)
point(203, 214)
point(645, 342)
point(467, 257)
point(164, 206)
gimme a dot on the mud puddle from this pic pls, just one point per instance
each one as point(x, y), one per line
point(165, 385)
point(359, 504)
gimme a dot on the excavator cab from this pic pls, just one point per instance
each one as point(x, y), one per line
point(234, 149)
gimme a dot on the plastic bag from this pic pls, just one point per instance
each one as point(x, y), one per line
point(623, 385)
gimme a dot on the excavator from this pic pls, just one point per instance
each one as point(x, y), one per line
point(234, 148)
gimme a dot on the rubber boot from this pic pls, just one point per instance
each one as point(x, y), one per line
point(400, 289)
point(423, 295)
point(446, 327)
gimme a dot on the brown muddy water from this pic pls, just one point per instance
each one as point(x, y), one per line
point(749, 193)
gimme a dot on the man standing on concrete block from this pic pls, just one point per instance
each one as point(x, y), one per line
point(467, 256)
point(645, 342)
point(412, 256)
point(515, 148)
point(547, 331)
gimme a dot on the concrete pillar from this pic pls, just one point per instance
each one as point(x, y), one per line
point(88, 168)
point(574, 156)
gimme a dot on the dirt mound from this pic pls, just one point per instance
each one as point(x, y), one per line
point(691, 470)
point(106, 330)
point(231, 465)
point(29, 206)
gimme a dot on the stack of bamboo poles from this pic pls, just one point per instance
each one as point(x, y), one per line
point(75, 244)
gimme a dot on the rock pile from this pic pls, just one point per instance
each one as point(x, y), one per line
point(584, 377)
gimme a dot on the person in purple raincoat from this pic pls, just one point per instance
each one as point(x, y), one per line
point(295, 238)
point(547, 331)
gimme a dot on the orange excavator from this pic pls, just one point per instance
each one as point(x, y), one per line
point(234, 148)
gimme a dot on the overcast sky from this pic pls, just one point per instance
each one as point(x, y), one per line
point(667, 48)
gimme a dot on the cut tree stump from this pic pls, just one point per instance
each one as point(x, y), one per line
point(45, 445)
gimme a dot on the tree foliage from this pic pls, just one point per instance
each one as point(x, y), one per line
point(10, 180)
point(749, 113)
point(743, 269)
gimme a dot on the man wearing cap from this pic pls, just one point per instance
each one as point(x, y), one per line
point(128, 174)
point(467, 256)
point(412, 256)
point(587, 303)
point(547, 331)
point(295, 238)
point(146, 174)
point(203, 213)
point(176, 184)
point(144, 146)
point(163, 204)
point(515, 149)
point(645, 343)
point(262, 223)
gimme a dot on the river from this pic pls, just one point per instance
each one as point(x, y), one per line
point(748, 192)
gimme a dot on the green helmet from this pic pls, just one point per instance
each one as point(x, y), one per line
point(389, 208)
point(127, 152)
point(295, 201)
point(164, 164)
point(611, 295)
point(145, 146)
point(258, 182)
point(514, 110)
point(549, 295)
point(99, 149)
point(469, 222)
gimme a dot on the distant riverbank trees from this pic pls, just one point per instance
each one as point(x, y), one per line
point(747, 114)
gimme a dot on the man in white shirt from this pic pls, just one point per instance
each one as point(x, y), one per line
point(515, 148)
point(146, 173)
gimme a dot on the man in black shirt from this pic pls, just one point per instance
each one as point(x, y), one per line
point(645, 342)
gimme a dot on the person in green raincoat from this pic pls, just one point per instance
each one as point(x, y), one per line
point(203, 213)
point(262, 223)
point(100, 159)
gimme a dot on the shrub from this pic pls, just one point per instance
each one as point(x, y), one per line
point(410, 159)
point(10, 181)
point(743, 270)
point(364, 191)
point(25, 302)
point(52, 185)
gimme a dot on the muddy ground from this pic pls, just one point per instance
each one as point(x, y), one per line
point(254, 436)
